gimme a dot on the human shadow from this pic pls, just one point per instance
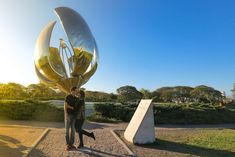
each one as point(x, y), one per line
point(11, 147)
point(36, 152)
point(187, 149)
point(9, 139)
point(92, 126)
point(98, 153)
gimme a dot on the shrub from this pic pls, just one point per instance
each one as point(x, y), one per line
point(117, 111)
point(105, 109)
point(170, 113)
point(30, 110)
point(48, 112)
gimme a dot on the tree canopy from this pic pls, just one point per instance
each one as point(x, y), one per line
point(181, 94)
point(206, 94)
point(128, 93)
point(177, 94)
point(12, 90)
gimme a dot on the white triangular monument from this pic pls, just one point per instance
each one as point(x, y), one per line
point(141, 130)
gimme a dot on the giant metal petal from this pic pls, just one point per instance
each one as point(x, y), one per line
point(55, 67)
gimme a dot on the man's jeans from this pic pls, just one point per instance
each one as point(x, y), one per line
point(70, 124)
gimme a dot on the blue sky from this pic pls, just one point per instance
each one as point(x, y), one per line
point(145, 43)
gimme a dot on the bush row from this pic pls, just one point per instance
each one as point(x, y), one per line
point(171, 113)
point(30, 110)
point(111, 110)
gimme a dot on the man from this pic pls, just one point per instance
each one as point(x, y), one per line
point(70, 118)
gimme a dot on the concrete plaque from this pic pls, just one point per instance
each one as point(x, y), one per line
point(141, 127)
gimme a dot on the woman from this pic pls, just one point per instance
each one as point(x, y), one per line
point(81, 118)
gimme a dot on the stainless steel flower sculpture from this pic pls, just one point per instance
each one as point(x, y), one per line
point(61, 67)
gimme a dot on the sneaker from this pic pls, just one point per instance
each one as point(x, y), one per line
point(92, 135)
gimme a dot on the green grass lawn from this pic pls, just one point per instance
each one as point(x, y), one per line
point(199, 142)
point(179, 142)
point(216, 139)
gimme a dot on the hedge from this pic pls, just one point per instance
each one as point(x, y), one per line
point(30, 110)
point(171, 113)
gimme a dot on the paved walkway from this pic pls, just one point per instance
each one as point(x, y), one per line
point(105, 145)
point(53, 144)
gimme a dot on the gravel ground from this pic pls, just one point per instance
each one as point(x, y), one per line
point(53, 144)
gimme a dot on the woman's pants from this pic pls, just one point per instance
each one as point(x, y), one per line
point(80, 131)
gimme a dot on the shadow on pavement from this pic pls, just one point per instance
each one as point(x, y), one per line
point(37, 153)
point(10, 147)
point(92, 126)
point(97, 153)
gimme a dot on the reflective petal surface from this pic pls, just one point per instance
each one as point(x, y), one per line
point(62, 67)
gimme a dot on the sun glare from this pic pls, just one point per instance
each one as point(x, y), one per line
point(5, 67)
point(12, 69)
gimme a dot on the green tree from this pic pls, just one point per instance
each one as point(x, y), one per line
point(96, 96)
point(12, 91)
point(206, 94)
point(41, 91)
point(182, 93)
point(156, 96)
point(113, 96)
point(146, 93)
point(165, 94)
point(128, 93)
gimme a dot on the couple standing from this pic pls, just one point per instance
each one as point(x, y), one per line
point(74, 108)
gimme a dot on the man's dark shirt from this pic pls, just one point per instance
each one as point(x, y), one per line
point(71, 101)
